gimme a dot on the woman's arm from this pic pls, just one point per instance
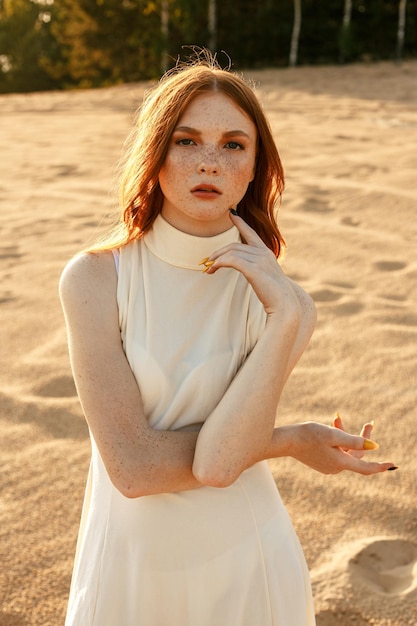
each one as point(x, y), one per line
point(239, 431)
point(326, 449)
point(139, 460)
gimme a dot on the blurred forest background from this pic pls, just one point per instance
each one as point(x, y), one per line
point(61, 44)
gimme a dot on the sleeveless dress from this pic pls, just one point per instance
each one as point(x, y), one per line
point(207, 556)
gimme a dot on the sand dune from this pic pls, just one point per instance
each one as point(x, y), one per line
point(348, 141)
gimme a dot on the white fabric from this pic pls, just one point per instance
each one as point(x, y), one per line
point(204, 557)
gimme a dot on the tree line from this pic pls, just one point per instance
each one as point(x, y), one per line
point(57, 44)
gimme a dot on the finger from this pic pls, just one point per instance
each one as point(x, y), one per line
point(252, 262)
point(365, 467)
point(353, 442)
point(238, 250)
point(241, 259)
point(248, 234)
point(367, 429)
point(365, 433)
point(337, 421)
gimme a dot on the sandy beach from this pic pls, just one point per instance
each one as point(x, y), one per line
point(347, 137)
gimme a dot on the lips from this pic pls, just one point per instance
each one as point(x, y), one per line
point(209, 189)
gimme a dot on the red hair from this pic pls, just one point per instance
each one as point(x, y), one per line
point(141, 197)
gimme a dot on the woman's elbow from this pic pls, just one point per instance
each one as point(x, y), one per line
point(133, 484)
point(130, 489)
point(211, 476)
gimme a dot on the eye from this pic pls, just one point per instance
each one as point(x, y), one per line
point(234, 145)
point(185, 142)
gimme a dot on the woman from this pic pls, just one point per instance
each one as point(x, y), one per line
point(183, 330)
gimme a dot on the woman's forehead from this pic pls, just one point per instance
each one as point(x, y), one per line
point(216, 109)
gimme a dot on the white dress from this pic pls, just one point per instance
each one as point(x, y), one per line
point(208, 556)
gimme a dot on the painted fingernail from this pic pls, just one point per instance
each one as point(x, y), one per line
point(208, 265)
point(233, 211)
point(368, 444)
point(391, 469)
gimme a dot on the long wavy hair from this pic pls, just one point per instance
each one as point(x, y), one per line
point(141, 197)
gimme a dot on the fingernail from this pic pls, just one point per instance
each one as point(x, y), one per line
point(233, 211)
point(391, 469)
point(337, 416)
point(208, 265)
point(368, 444)
point(372, 423)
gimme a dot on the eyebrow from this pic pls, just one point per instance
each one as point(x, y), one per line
point(194, 131)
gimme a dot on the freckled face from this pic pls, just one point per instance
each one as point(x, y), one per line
point(209, 165)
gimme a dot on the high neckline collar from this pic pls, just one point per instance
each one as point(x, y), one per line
point(181, 249)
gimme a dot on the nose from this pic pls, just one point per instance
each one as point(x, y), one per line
point(208, 162)
point(205, 168)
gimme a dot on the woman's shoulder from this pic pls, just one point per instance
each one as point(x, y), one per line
point(86, 274)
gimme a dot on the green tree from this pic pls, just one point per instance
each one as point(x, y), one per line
point(25, 40)
point(107, 41)
point(86, 43)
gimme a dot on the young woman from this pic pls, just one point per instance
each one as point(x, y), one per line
point(183, 330)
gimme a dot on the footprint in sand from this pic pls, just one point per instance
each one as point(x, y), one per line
point(350, 221)
point(332, 297)
point(336, 290)
point(314, 204)
point(9, 252)
point(350, 307)
point(387, 566)
point(56, 387)
point(342, 285)
point(330, 618)
point(7, 296)
point(326, 295)
point(389, 266)
point(66, 169)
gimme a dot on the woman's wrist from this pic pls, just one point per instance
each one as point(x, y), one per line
point(283, 441)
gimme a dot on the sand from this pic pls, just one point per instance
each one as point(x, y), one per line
point(348, 140)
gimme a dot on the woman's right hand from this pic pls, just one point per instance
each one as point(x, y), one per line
point(327, 449)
